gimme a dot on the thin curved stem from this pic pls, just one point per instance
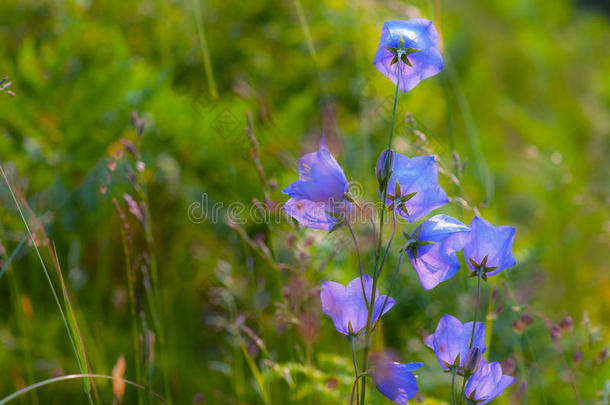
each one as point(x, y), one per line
point(387, 249)
point(474, 325)
point(402, 253)
point(380, 238)
point(67, 377)
point(357, 245)
point(474, 322)
point(369, 216)
point(352, 340)
point(355, 388)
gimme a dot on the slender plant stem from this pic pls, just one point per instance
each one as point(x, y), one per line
point(132, 301)
point(474, 325)
point(453, 372)
point(352, 340)
point(402, 253)
point(377, 271)
point(387, 249)
point(357, 245)
point(476, 307)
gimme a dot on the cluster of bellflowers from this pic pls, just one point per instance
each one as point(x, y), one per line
point(408, 187)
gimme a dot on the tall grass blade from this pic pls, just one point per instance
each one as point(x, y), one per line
point(48, 277)
point(68, 377)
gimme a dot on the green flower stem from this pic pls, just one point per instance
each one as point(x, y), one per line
point(357, 245)
point(474, 324)
point(453, 372)
point(377, 271)
point(352, 340)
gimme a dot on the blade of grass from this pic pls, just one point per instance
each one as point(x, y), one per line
point(68, 377)
point(48, 277)
point(73, 322)
point(205, 52)
point(67, 301)
point(257, 374)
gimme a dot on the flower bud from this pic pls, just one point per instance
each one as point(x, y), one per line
point(473, 360)
point(577, 356)
point(566, 324)
point(384, 168)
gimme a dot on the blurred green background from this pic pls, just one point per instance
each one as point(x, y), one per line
point(524, 102)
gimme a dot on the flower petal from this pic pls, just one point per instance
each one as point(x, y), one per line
point(396, 382)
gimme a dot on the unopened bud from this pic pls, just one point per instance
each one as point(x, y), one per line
point(473, 359)
point(566, 324)
point(384, 168)
point(577, 356)
point(555, 332)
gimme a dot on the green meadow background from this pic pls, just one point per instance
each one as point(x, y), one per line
point(206, 311)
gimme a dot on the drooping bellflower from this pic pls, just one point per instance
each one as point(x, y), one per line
point(489, 248)
point(396, 380)
point(410, 46)
point(450, 341)
point(432, 249)
point(487, 383)
point(318, 197)
point(346, 306)
point(412, 185)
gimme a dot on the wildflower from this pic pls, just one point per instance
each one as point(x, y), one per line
point(411, 47)
point(396, 381)
point(432, 249)
point(318, 198)
point(489, 249)
point(413, 185)
point(346, 305)
point(487, 383)
point(451, 341)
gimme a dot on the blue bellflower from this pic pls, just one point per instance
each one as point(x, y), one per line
point(451, 340)
point(418, 187)
point(436, 262)
point(489, 247)
point(416, 40)
point(396, 381)
point(318, 197)
point(487, 383)
point(346, 306)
